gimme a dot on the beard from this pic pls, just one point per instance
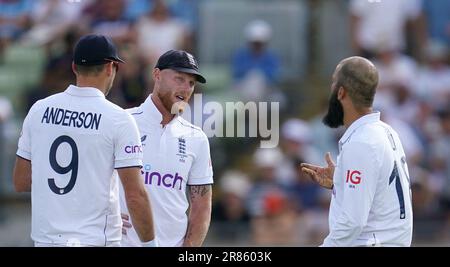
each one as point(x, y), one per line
point(335, 115)
point(174, 107)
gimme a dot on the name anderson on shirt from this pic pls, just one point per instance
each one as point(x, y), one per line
point(64, 117)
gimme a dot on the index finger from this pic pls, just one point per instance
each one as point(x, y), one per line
point(310, 166)
point(125, 216)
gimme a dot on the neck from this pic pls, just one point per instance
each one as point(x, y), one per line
point(353, 115)
point(91, 82)
point(166, 115)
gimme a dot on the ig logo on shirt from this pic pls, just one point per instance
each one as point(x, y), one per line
point(354, 177)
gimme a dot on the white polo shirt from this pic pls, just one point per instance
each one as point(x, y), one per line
point(75, 140)
point(174, 156)
point(371, 202)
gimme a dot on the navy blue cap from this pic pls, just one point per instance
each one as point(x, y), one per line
point(180, 61)
point(95, 50)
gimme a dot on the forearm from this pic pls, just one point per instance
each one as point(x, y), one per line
point(199, 216)
point(22, 175)
point(198, 226)
point(141, 216)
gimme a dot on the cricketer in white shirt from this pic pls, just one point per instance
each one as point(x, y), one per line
point(175, 155)
point(75, 140)
point(371, 201)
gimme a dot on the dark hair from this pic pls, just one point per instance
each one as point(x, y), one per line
point(90, 70)
point(359, 78)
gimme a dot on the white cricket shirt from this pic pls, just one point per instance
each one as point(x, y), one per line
point(175, 155)
point(371, 202)
point(75, 140)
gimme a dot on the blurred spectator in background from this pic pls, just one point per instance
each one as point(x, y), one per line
point(187, 12)
point(255, 67)
point(14, 20)
point(134, 9)
point(372, 21)
point(132, 81)
point(433, 80)
point(158, 32)
point(5, 109)
point(272, 211)
point(6, 112)
point(441, 165)
point(397, 73)
point(296, 139)
point(437, 14)
point(107, 17)
point(50, 20)
point(230, 211)
point(441, 154)
point(57, 72)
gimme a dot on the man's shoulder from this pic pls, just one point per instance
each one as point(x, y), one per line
point(372, 134)
point(185, 125)
point(49, 100)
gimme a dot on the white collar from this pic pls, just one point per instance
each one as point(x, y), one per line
point(153, 113)
point(84, 91)
point(369, 118)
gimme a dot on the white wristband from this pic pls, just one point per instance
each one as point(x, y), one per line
point(150, 244)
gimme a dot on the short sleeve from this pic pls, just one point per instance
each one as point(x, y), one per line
point(24, 145)
point(127, 143)
point(201, 171)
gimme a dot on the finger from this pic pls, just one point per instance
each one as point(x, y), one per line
point(125, 216)
point(127, 224)
point(124, 231)
point(310, 166)
point(329, 160)
point(311, 173)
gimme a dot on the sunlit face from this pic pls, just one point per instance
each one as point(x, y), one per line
point(174, 88)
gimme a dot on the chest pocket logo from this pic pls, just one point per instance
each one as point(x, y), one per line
point(182, 149)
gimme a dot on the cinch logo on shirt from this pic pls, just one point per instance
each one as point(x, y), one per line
point(158, 179)
point(133, 149)
point(353, 177)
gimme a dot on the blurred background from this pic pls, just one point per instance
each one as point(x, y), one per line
point(250, 50)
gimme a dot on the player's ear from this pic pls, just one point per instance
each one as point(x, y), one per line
point(341, 93)
point(74, 68)
point(156, 74)
point(109, 68)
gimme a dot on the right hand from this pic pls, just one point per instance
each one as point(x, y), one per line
point(321, 175)
point(125, 223)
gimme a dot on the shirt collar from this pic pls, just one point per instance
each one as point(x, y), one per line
point(154, 115)
point(369, 118)
point(84, 91)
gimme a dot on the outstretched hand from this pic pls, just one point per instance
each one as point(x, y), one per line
point(321, 175)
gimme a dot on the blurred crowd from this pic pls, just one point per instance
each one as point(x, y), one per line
point(260, 195)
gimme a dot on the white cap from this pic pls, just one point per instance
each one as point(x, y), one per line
point(296, 130)
point(267, 157)
point(258, 31)
point(235, 182)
